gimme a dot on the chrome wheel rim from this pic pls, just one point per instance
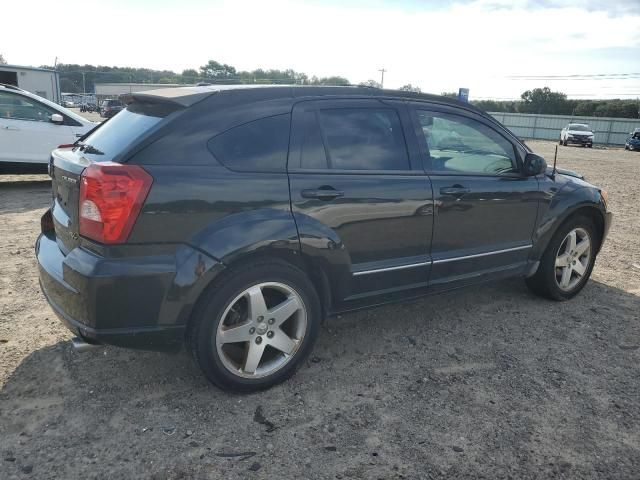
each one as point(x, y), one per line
point(261, 330)
point(572, 259)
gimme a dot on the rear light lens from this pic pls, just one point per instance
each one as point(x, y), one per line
point(111, 196)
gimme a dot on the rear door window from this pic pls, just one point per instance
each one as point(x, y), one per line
point(364, 139)
point(350, 139)
point(258, 146)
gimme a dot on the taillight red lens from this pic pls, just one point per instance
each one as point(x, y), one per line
point(111, 196)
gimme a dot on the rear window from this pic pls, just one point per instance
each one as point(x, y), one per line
point(115, 135)
point(258, 146)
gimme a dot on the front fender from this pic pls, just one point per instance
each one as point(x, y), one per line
point(562, 200)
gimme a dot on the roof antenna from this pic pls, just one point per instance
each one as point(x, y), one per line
point(555, 159)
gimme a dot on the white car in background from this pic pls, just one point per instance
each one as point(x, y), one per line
point(32, 126)
point(578, 133)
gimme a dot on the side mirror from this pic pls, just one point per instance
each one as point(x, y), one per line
point(56, 118)
point(534, 165)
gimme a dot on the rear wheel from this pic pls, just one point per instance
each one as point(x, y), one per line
point(565, 142)
point(258, 326)
point(567, 262)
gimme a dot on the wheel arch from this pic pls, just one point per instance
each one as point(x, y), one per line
point(290, 257)
point(546, 231)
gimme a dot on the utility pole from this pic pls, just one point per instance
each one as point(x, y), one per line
point(382, 70)
point(84, 88)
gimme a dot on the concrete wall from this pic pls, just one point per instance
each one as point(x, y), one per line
point(41, 82)
point(607, 131)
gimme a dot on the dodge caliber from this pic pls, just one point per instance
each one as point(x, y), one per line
point(233, 219)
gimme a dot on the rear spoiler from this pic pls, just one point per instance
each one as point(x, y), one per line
point(183, 96)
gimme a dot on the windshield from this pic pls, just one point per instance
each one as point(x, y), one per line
point(116, 134)
point(579, 128)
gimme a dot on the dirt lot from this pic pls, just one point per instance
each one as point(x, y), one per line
point(490, 382)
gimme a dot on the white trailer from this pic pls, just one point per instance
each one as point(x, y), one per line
point(40, 81)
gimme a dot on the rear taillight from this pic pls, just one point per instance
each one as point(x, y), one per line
point(111, 196)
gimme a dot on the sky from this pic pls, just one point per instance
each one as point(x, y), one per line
point(496, 48)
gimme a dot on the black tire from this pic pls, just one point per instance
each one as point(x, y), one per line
point(590, 145)
point(565, 143)
point(218, 297)
point(544, 282)
point(560, 142)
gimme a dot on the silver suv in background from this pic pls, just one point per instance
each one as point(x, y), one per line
point(578, 133)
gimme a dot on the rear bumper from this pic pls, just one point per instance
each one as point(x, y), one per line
point(141, 302)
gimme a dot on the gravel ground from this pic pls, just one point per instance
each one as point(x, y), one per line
point(489, 382)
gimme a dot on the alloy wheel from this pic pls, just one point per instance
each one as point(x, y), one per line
point(572, 259)
point(261, 330)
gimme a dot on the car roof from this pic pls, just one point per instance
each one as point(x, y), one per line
point(187, 96)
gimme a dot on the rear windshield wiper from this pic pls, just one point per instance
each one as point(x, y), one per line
point(86, 148)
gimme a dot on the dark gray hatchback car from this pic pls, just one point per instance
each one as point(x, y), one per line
point(233, 219)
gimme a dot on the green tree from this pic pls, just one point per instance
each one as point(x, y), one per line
point(335, 81)
point(585, 108)
point(543, 100)
point(371, 83)
point(410, 88)
point(449, 94)
point(214, 69)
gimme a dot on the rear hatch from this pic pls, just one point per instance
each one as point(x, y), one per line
point(110, 142)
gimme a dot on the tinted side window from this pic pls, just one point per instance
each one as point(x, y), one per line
point(258, 146)
point(460, 144)
point(312, 152)
point(364, 139)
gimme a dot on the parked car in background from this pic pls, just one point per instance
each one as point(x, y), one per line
point(88, 107)
point(110, 107)
point(578, 134)
point(32, 126)
point(633, 142)
point(234, 218)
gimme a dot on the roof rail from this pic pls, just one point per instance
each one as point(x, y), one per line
point(11, 87)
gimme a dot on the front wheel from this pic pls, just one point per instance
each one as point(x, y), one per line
point(258, 326)
point(567, 262)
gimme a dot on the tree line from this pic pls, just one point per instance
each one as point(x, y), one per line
point(76, 78)
point(545, 101)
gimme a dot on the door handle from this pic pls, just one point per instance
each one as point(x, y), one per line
point(11, 128)
point(322, 194)
point(456, 191)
